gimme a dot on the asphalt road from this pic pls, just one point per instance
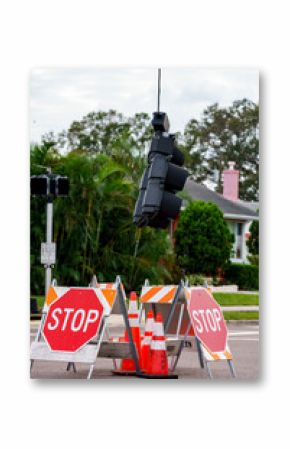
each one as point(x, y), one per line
point(243, 342)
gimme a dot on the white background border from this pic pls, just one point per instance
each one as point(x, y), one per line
point(206, 33)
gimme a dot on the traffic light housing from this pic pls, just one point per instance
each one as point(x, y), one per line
point(39, 185)
point(163, 177)
point(49, 185)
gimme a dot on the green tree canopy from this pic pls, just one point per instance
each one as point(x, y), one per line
point(203, 241)
point(223, 135)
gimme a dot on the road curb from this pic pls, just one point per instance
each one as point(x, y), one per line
point(240, 322)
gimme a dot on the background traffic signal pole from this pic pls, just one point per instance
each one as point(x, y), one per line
point(49, 233)
point(49, 186)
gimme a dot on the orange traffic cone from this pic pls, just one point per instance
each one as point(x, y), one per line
point(159, 363)
point(128, 365)
point(146, 343)
point(133, 315)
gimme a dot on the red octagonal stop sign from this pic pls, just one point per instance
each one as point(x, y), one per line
point(73, 320)
point(207, 320)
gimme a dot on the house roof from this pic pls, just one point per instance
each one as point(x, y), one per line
point(231, 209)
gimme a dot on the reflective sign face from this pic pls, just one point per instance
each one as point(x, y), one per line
point(73, 320)
point(207, 320)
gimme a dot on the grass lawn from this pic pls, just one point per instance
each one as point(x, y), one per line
point(224, 299)
point(40, 301)
point(241, 315)
point(238, 299)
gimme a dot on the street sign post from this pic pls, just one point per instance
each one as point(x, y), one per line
point(48, 253)
point(73, 320)
point(207, 320)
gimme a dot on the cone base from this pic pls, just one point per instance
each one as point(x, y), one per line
point(117, 372)
point(156, 376)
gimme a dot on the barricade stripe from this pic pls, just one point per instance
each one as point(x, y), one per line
point(169, 296)
point(51, 296)
point(224, 355)
point(150, 293)
point(105, 285)
point(163, 291)
point(110, 295)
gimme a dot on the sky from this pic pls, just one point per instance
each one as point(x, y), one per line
point(58, 96)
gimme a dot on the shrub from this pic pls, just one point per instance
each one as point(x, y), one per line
point(245, 276)
point(203, 241)
point(196, 279)
point(253, 242)
point(254, 259)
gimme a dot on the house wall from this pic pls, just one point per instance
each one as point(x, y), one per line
point(240, 250)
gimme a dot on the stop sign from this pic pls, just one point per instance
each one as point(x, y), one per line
point(207, 320)
point(73, 320)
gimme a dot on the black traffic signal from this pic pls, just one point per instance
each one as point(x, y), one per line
point(59, 186)
point(39, 185)
point(49, 185)
point(157, 203)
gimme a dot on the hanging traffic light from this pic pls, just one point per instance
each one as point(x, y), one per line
point(49, 185)
point(164, 176)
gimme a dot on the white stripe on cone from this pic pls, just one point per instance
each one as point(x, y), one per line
point(158, 331)
point(148, 330)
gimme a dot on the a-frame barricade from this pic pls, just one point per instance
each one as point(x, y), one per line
point(172, 301)
point(112, 297)
point(207, 356)
point(169, 300)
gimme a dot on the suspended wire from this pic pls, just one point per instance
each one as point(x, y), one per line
point(159, 88)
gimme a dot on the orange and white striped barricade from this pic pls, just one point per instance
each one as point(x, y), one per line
point(73, 325)
point(163, 299)
point(209, 327)
point(169, 300)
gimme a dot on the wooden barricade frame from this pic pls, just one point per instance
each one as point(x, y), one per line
point(95, 348)
point(177, 321)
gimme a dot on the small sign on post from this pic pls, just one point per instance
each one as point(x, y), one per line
point(48, 253)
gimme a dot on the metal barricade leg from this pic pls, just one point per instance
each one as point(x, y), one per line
point(133, 349)
point(38, 335)
point(90, 371)
point(199, 352)
point(174, 364)
point(173, 306)
point(113, 360)
point(100, 339)
point(71, 365)
point(232, 368)
point(208, 370)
